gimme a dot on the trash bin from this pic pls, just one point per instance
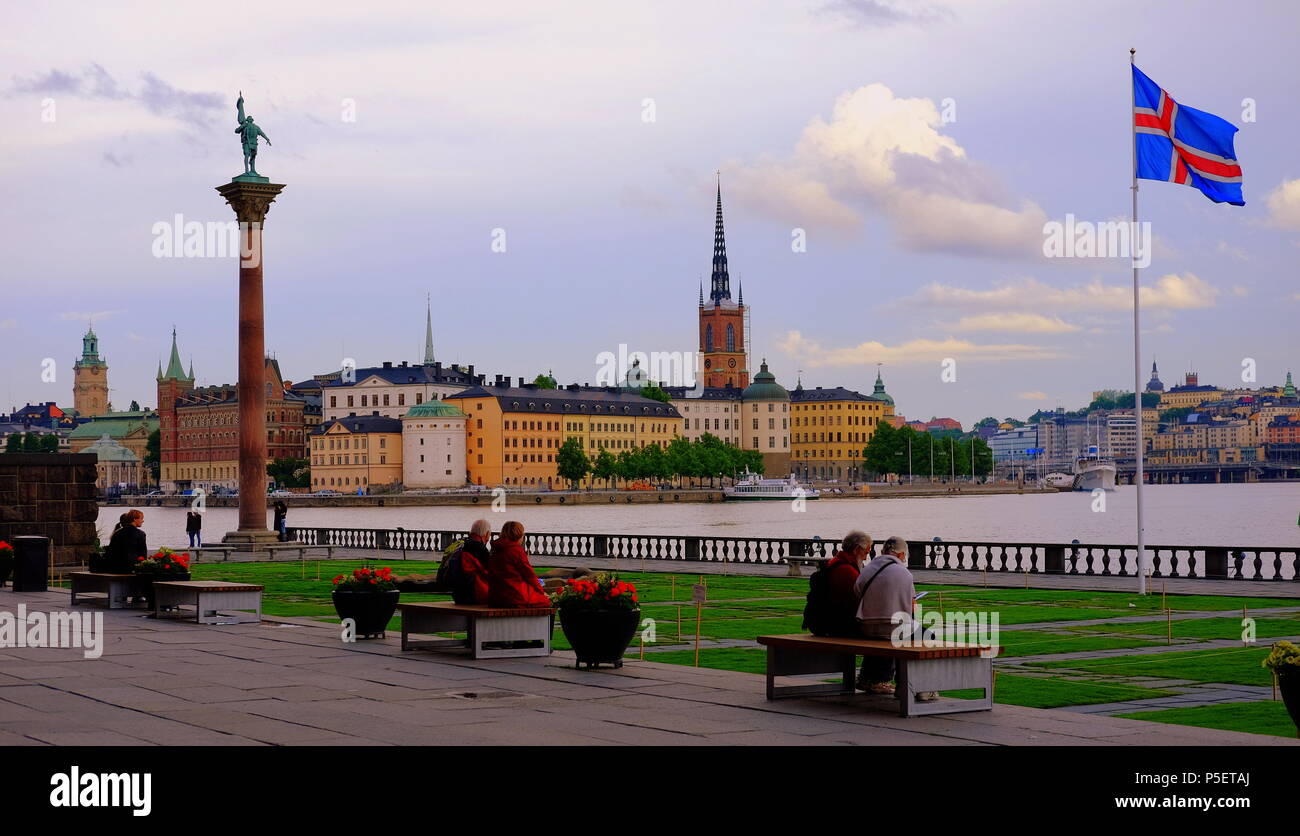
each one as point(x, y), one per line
point(31, 564)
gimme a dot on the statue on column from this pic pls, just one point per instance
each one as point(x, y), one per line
point(248, 133)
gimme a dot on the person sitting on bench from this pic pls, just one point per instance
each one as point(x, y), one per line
point(126, 544)
point(474, 558)
point(512, 583)
point(886, 588)
point(844, 569)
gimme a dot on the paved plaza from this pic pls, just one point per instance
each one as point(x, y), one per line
point(292, 682)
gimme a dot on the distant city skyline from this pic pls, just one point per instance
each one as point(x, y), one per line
point(918, 156)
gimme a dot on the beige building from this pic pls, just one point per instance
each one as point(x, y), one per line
point(765, 422)
point(433, 446)
point(716, 411)
point(115, 466)
point(356, 453)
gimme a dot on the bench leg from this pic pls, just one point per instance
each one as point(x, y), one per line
point(793, 571)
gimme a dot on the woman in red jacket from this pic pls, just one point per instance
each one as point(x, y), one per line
point(512, 583)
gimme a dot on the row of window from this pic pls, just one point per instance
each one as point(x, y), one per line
point(373, 400)
point(341, 482)
point(813, 438)
point(825, 454)
point(339, 461)
point(838, 421)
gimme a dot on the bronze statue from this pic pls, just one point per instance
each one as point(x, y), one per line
point(249, 133)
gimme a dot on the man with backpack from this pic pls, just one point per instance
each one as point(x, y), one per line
point(464, 572)
point(886, 591)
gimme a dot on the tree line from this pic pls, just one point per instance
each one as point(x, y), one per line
point(887, 452)
point(707, 458)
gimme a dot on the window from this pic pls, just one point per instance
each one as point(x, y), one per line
point(385, 400)
point(334, 400)
point(708, 338)
point(350, 400)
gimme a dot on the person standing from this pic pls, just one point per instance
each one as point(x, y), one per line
point(281, 514)
point(194, 528)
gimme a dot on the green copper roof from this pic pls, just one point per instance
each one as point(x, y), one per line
point(175, 371)
point(115, 425)
point(879, 394)
point(434, 409)
point(765, 387)
point(108, 450)
point(1289, 389)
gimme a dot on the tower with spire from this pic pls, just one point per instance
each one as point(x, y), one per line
point(1155, 384)
point(722, 320)
point(428, 331)
point(172, 384)
point(90, 378)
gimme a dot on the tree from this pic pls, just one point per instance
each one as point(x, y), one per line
point(545, 381)
point(290, 473)
point(14, 443)
point(752, 460)
point(1015, 422)
point(31, 443)
point(1173, 416)
point(49, 443)
point(881, 453)
point(986, 422)
point(682, 459)
point(654, 393)
point(153, 454)
point(605, 467)
point(135, 406)
point(572, 463)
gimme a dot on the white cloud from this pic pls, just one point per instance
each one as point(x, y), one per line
point(1172, 291)
point(1224, 248)
point(811, 353)
point(1027, 323)
point(882, 154)
point(1032, 396)
point(1284, 204)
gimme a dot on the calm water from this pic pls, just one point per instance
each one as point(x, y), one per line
point(1200, 515)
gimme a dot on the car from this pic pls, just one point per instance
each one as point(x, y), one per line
point(327, 493)
point(282, 493)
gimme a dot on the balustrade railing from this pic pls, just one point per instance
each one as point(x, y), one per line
point(1219, 563)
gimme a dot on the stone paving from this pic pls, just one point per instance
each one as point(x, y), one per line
point(292, 682)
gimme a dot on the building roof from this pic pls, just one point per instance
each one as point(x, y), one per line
point(836, 393)
point(573, 399)
point(175, 371)
point(879, 393)
point(108, 450)
point(765, 387)
point(353, 423)
point(405, 373)
point(707, 393)
point(115, 425)
point(434, 409)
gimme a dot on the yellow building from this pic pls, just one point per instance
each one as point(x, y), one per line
point(830, 427)
point(90, 378)
point(1190, 394)
point(356, 452)
point(513, 434)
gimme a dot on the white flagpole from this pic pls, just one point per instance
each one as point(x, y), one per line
point(1137, 339)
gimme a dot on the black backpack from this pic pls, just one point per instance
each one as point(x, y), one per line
point(819, 617)
point(451, 575)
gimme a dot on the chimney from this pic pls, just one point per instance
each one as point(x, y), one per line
point(470, 370)
point(388, 364)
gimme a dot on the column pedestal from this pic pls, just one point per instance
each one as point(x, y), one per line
point(251, 198)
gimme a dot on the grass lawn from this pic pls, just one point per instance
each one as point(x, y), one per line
point(1256, 717)
point(1235, 665)
point(1201, 628)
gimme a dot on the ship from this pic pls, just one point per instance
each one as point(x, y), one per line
point(1093, 472)
point(750, 487)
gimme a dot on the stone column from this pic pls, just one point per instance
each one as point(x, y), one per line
point(251, 197)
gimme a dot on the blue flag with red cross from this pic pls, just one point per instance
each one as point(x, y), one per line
point(1180, 144)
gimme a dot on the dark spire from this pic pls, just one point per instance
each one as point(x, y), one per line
point(720, 289)
point(701, 294)
point(741, 300)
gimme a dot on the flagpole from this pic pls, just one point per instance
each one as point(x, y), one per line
point(1138, 478)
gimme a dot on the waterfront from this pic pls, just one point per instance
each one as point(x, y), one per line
point(1193, 515)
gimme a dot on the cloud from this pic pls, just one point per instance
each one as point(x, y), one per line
point(1027, 323)
point(879, 14)
point(6, 324)
point(1032, 396)
point(1224, 248)
point(1284, 205)
point(156, 95)
point(811, 353)
point(87, 317)
point(880, 154)
point(1172, 291)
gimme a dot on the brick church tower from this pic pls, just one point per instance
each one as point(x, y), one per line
point(722, 321)
point(171, 385)
point(90, 378)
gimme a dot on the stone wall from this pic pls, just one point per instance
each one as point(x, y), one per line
point(50, 495)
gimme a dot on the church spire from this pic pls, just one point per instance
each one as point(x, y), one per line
point(701, 294)
point(720, 289)
point(428, 331)
point(175, 371)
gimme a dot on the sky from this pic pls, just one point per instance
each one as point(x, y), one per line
point(545, 174)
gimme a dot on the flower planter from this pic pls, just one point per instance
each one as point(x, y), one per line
point(1288, 682)
point(370, 610)
point(145, 580)
point(599, 635)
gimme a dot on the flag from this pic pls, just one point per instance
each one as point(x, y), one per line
point(1180, 144)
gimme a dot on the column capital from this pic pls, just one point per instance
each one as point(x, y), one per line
point(251, 201)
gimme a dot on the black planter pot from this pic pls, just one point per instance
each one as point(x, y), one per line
point(370, 610)
point(6, 566)
point(1288, 682)
point(145, 580)
point(599, 635)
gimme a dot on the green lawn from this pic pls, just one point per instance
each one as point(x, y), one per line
point(1234, 665)
point(1256, 717)
point(1200, 628)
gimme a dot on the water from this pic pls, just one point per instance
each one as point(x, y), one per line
point(1242, 515)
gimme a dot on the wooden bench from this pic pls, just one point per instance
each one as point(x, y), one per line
point(947, 666)
point(117, 589)
point(210, 599)
point(482, 624)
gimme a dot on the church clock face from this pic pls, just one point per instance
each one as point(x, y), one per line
point(708, 363)
point(732, 362)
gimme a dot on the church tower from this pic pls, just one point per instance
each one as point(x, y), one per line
point(172, 384)
point(90, 378)
point(722, 321)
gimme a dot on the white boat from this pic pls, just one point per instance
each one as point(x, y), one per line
point(1092, 472)
point(751, 487)
point(1060, 481)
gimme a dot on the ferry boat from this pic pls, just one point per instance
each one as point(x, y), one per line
point(751, 488)
point(1092, 472)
